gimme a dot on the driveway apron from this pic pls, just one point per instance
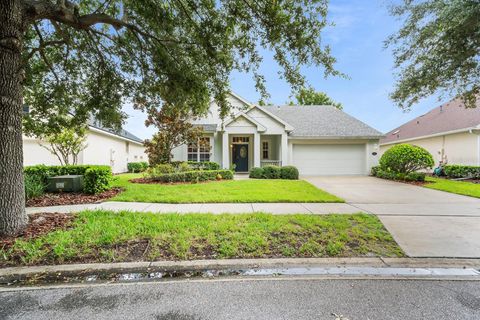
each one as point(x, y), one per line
point(424, 222)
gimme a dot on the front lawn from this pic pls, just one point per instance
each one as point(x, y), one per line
point(459, 187)
point(221, 191)
point(105, 236)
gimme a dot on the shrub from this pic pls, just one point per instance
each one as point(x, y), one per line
point(194, 176)
point(271, 172)
point(289, 172)
point(256, 173)
point(97, 180)
point(205, 165)
point(137, 166)
point(34, 186)
point(459, 171)
point(183, 167)
point(390, 175)
point(374, 170)
point(405, 158)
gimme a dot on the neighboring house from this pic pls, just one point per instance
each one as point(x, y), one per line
point(319, 140)
point(450, 131)
point(104, 146)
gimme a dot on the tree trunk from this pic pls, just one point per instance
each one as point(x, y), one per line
point(12, 195)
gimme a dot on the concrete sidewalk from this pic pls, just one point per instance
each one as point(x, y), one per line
point(217, 208)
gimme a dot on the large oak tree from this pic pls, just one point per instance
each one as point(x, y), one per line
point(436, 50)
point(73, 60)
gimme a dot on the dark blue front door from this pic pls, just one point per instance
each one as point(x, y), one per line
point(240, 157)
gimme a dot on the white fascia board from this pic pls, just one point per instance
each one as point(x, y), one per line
point(475, 130)
point(288, 127)
point(113, 135)
point(260, 127)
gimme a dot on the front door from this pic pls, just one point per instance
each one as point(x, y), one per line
point(240, 157)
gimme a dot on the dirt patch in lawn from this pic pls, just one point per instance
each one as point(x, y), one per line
point(67, 198)
point(38, 225)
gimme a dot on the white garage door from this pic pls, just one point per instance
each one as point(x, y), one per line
point(329, 159)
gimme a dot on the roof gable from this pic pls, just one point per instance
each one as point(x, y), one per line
point(243, 116)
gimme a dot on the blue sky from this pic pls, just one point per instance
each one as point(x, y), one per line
point(356, 40)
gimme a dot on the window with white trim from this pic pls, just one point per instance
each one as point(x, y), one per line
point(265, 150)
point(199, 151)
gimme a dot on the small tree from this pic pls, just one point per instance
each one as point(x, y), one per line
point(310, 97)
point(66, 145)
point(174, 129)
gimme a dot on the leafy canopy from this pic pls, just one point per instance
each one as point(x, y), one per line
point(88, 57)
point(436, 50)
point(66, 144)
point(174, 129)
point(310, 97)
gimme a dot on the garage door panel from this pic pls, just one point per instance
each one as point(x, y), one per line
point(324, 159)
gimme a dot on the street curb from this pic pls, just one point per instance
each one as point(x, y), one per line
point(195, 265)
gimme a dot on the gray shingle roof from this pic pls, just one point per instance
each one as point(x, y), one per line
point(121, 133)
point(322, 121)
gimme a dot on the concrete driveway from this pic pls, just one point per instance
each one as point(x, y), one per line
point(424, 222)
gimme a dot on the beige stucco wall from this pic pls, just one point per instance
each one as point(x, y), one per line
point(102, 149)
point(460, 148)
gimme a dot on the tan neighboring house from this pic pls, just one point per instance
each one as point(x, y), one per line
point(449, 130)
point(104, 147)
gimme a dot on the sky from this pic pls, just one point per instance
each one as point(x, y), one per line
point(356, 40)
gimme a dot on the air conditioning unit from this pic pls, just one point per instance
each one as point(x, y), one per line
point(68, 183)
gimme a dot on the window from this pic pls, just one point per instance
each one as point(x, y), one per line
point(265, 150)
point(127, 147)
point(240, 139)
point(199, 151)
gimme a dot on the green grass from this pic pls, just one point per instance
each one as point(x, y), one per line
point(222, 191)
point(458, 187)
point(105, 236)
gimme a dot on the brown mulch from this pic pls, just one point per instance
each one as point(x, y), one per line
point(38, 225)
point(66, 198)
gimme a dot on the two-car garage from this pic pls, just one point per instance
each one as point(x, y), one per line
point(329, 159)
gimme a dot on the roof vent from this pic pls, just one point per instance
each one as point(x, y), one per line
point(395, 132)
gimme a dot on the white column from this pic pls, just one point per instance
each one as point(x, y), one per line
point(225, 151)
point(256, 149)
point(284, 149)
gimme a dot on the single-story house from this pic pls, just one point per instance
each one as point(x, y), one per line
point(104, 147)
point(450, 131)
point(318, 140)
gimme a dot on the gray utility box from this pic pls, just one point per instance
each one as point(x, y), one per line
point(69, 183)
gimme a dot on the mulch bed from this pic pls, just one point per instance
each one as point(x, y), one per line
point(66, 198)
point(38, 225)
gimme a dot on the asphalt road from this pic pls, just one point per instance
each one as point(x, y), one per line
point(315, 299)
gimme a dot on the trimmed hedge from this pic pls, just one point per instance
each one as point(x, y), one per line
point(96, 178)
point(206, 165)
point(256, 173)
point(289, 173)
point(134, 167)
point(274, 172)
point(195, 176)
point(406, 158)
point(271, 172)
point(459, 171)
point(390, 175)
